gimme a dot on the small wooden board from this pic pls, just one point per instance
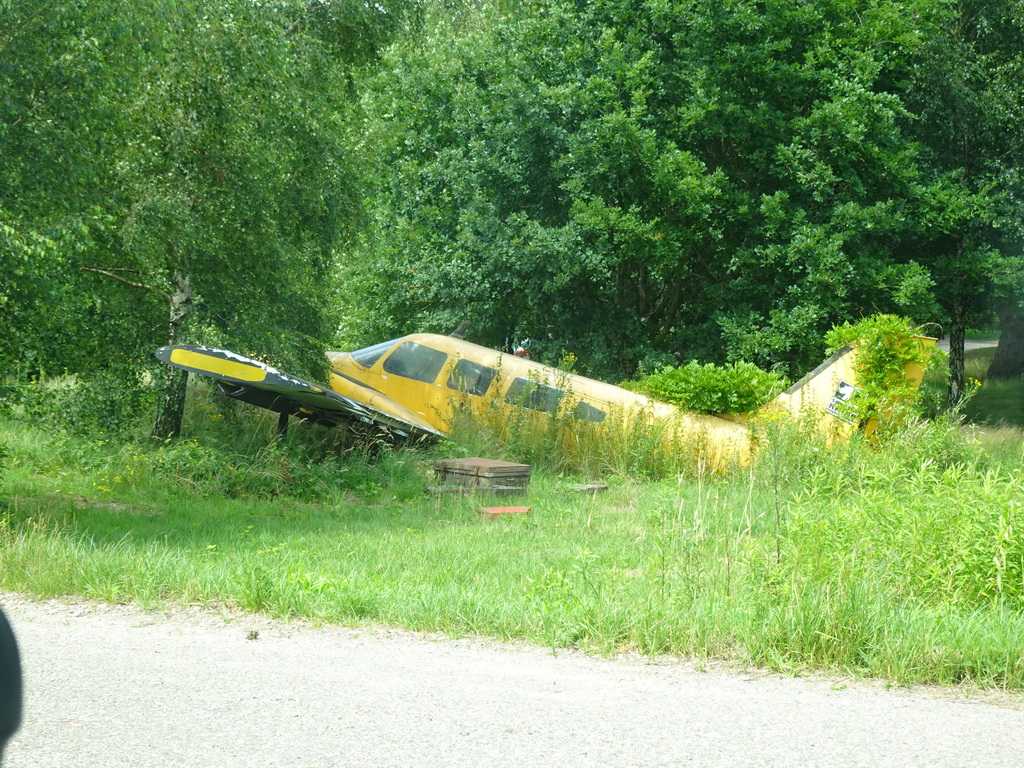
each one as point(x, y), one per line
point(590, 488)
point(492, 512)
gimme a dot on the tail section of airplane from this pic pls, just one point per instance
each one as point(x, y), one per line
point(828, 395)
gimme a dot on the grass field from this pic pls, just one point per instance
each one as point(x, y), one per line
point(996, 403)
point(904, 563)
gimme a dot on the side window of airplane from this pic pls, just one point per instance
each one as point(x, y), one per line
point(536, 397)
point(471, 378)
point(415, 361)
point(370, 355)
point(587, 412)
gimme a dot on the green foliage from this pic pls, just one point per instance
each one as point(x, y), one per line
point(625, 444)
point(732, 388)
point(210, 471)
point(105, 404)
point(604, 170)
point(939, 535)
point(240, 458)
point(964, 90)
point(143, 150)
point(933, 397)
point(886, 346)
point(900, 562)
point(97, 425)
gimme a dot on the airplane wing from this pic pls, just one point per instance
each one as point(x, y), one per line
point(259, 384)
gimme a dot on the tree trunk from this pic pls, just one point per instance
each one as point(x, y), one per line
point(170, 408)
point(957, 322)
point(171, 404)
point(1008, 362)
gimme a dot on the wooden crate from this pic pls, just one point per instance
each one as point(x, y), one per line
point(482, 473)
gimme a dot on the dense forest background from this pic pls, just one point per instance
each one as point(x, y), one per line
point(634, 182)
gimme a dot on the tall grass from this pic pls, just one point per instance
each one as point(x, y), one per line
point(627, 443)
point(997, 403)
point(903, 561)
point(990, 402)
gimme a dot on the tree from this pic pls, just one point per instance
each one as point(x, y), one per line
point(235, 181)
point(61, 108)
point(647, 181)
point(184, 159)
point(1008, 362)
point(965, 92)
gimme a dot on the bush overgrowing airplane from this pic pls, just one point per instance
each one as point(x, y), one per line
point(411, 387)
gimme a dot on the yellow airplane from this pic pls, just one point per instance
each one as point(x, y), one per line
point(412, 386)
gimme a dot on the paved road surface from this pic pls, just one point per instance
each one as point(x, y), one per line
point(969, 344)
point(116, 686)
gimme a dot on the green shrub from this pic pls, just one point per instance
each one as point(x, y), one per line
point(277, 470)
point(887, 346)
point(709, 388)
point(106, 403)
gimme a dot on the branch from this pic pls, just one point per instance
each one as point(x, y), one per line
point(37, 105)
point(675, 300)
point(167, 297)
point(310, 8)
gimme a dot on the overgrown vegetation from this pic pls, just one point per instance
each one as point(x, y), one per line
point(625, 444)
point(709, 388)
point(904, 561)
point(888, 347)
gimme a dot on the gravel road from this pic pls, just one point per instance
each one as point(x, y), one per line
point(119, 686)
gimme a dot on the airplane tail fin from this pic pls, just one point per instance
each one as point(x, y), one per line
point(828, 394)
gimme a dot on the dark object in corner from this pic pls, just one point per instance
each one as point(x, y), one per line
point(10, 683)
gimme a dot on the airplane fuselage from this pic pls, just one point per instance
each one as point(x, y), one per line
point(424, 377)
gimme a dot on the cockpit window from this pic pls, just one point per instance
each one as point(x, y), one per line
point(536, 397)
point(415, 361)
point(471, 378)
point(370, 355)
